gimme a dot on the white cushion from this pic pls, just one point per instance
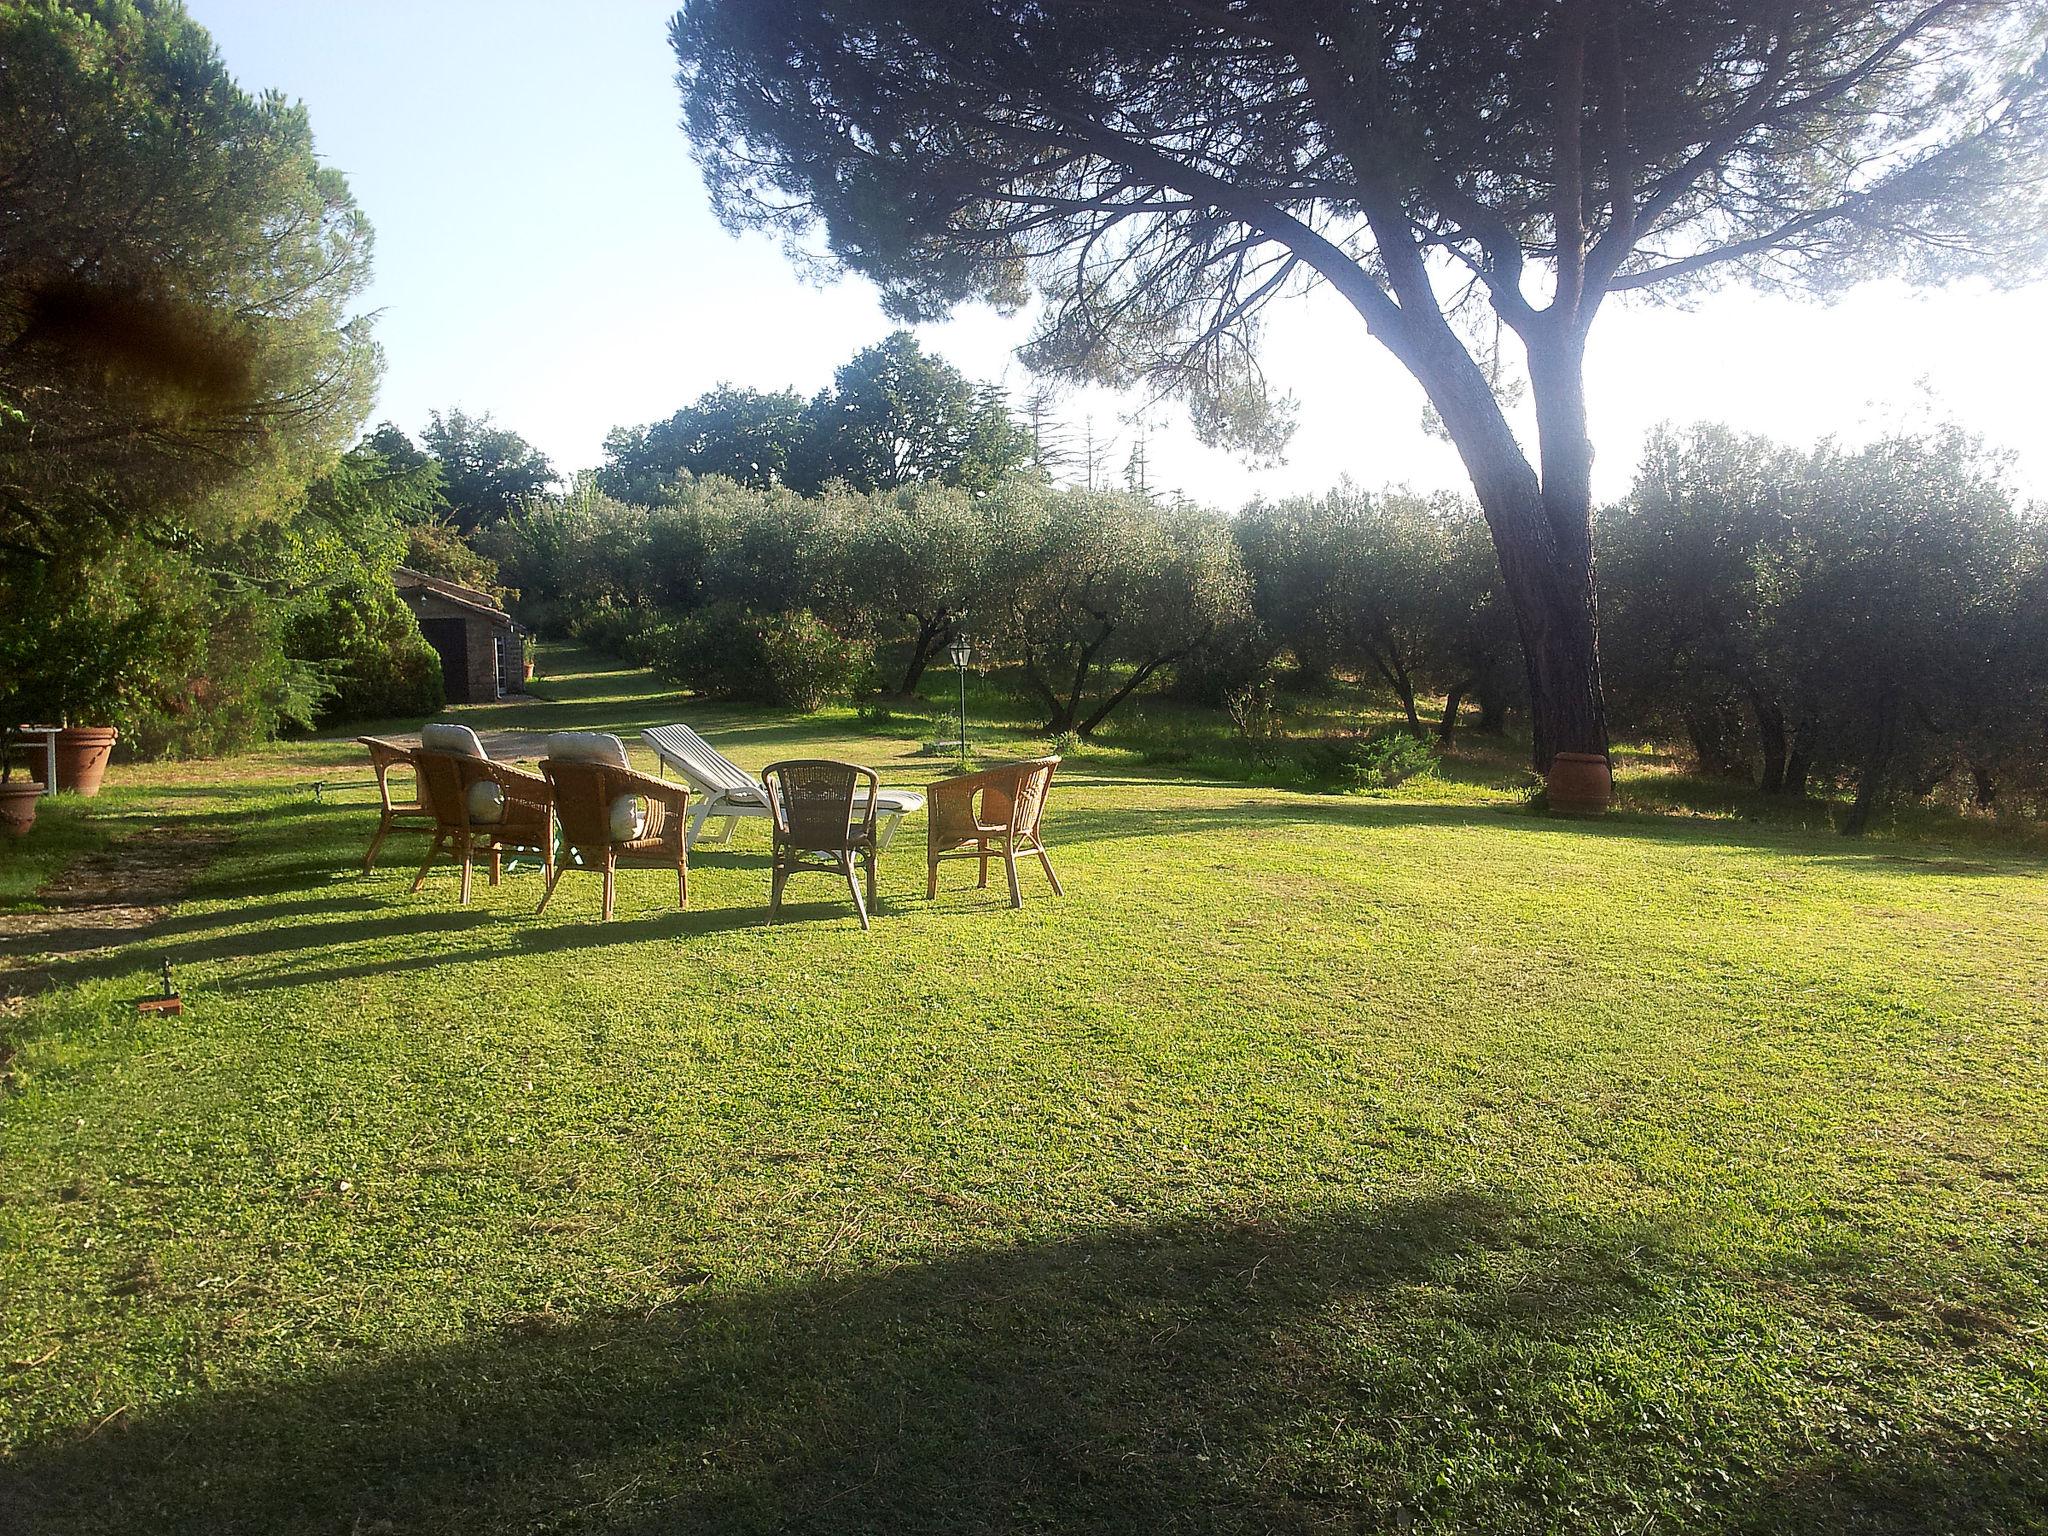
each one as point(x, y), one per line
point(459, 739)
point(588, 747)
point(629, 819)
point(486, 803)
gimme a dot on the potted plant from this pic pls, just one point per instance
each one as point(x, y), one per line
point(18, 796)
point(529, 655)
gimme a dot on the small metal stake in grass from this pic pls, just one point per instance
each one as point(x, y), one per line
point(166, 1001)
point(962, 652)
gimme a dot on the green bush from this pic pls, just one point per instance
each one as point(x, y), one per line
point(1379, 760)
point(808, 663)
point(794, 660)
point(365, 647)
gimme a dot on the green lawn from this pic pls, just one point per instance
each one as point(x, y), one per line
point(1317, 1164)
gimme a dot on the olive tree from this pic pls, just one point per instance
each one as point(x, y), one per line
point(1384, 583)
point(1898, 587)
point(1094, 592)
point(1157, 172)
point(1692, 559)
point(918, 558)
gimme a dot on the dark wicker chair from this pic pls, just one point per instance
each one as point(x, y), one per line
point(414, 815)
point(995, 812)
point(525, 823)
point(585, 794)
point(824, 819)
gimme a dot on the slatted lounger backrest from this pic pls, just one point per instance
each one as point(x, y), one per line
point(697, 760)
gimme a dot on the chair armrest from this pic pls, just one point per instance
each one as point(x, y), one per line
point(385, 754)
point(517, 783)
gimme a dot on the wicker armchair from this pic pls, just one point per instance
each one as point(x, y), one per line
point(588, 798)
point(524, 819)
point(824, 818)
point(993, 812)
point(414, 815)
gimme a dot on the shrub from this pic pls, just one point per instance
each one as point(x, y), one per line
point(1378, 760)
point(808, 664)
point(790, 659)
point(632, 634)
point(1252, 715)
point(366, 647)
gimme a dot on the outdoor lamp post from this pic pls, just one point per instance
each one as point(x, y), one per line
point(962, 652)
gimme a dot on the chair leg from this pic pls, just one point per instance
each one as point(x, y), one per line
point(870, 859)
point(548, 895)
point(1010, 868)
point(383, 831)
point(931, 878)
point(982, 884)
point(468, 859)
point(777, 875)
point(682, 886)
point(1057, 889)
point(497, 865)
point(420, 879)
point(610, 877)
point(853, 885)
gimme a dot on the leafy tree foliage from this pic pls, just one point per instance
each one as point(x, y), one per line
point(177, 365)
point(1397, 585)
point(745, 435)
point(918, 557)
point(1159, 171)
point(217, 642)
point(896, 415)
point(1867, 616)
point(176, 353)
point(1097, 591)
point(486, 471)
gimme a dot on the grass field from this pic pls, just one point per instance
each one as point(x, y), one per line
point(1316, 1164)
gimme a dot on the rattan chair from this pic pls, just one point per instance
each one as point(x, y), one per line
point(824, 818)
point(994, 812)
point(613, 818)
point(414, 815)
point(524, 819)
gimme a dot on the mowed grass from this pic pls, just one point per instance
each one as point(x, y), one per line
point(1316, 1164)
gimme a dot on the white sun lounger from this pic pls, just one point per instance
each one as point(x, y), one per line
point(726, 792)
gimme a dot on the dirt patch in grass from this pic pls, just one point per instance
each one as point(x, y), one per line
point(106, 898)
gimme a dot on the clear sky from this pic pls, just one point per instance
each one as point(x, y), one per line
point(545, 253)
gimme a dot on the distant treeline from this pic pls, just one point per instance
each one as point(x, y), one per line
point(1874, 619)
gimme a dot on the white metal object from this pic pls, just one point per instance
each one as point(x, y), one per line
point(726, 793)
point(49, 735)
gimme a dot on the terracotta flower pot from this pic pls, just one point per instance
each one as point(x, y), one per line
point(82, 752)
point(18, 806)
point(1581, 784)
point(526, 668)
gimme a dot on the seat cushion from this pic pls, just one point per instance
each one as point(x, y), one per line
point(486, 804)
point(442, 736)
point(628, 817)
point(588, 747)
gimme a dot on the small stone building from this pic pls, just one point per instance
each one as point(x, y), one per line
point(477, 641)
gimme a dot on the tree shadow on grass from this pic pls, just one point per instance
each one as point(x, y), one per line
point(1219, 1375)
point(1091, 824)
